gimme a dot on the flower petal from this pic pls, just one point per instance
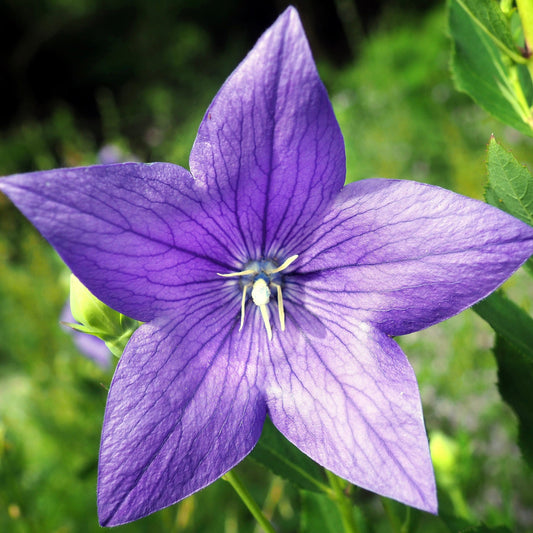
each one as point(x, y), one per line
point(269, 146)
point(347, 397)
point(405, 255)
point(182, 410)
point(140, 237)
point(91, 347)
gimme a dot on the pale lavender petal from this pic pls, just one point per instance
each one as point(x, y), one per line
point(405, 255)
point(111, 153)
point(184, 408)
point(93, 348)
point(139, 237)
point(269, 146)
point(90, 346)
point(344, 393)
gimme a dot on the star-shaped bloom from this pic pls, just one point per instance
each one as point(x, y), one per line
point(266, 287)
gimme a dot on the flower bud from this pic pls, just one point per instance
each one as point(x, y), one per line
point(96, 318)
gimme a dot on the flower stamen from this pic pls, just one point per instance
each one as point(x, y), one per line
point(248, 272)
point(281, 311)
point(243, 304)
point(283, 266)
point(261, 277)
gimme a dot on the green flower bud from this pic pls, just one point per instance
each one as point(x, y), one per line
point(96, 318)
point(90, 311)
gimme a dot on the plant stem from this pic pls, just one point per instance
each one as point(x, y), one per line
point(525, 10)
point(391, 515)
point(343, 503)
point(235, 481)
point(272, 498)
point(406, 526)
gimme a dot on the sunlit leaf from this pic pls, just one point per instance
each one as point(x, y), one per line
point(489, 18)
point(515, 376)
point(508, 320)
point(514, 354)
point(510, 184)
point(481, 70)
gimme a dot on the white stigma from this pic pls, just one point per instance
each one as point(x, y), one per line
point(260, 292)
point(261, 297)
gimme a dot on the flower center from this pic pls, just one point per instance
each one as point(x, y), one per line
point(262, 276)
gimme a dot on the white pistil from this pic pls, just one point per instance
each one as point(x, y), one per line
point(266, 320)
point(260, 292)
point(261, 297)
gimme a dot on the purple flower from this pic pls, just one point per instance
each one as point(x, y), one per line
point(267, 288)
point(92, 347)
point(111, 153)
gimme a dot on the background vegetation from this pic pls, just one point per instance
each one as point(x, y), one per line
point(88, 76)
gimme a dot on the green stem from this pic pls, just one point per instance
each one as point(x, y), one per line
point(525, 10)
point(529, 65)
point(406, 526)
point(516, 57)
point(273, 498)
point(343, 503)
point(174, 528)
point(397, 524)
point(235, 481)
point(391, 515)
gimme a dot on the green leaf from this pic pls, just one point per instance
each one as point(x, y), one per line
point(79, 327)
point(319, 514)
point(490, 19)
point(514, 355)
point(508, 320)
point(452, 522)
point(480, 69)
point(510, 184)
point(284, 459)
point(515, 379)
point(485, 529)
point(455, 524)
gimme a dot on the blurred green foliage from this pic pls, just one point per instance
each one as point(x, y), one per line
point(401, 119)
